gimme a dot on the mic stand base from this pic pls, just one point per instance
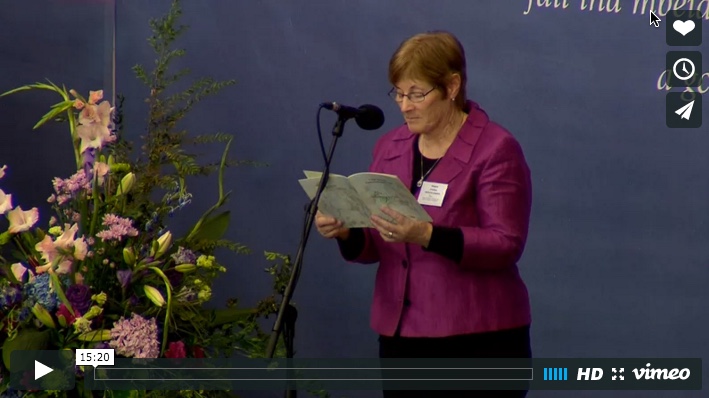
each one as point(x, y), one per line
point(289, 317)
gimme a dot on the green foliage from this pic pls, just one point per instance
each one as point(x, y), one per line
point(164, 142)
point(145, 187)
point(31, 340)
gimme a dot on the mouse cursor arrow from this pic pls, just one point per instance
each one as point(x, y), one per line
point(654, 19)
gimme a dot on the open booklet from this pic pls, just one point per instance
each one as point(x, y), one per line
point(354, 199)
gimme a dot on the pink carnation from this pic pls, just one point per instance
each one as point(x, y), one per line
point(118, 228)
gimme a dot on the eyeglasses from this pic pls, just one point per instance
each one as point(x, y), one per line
point(413, 97)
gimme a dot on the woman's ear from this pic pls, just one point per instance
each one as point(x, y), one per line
point(453, 87)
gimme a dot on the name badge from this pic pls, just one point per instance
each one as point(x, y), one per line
point(432, 194)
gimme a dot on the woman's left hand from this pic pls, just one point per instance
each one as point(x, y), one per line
point(405, 230)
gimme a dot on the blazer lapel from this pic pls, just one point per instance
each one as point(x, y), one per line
point(460, 153)
point(400, 155)
point(446, 170)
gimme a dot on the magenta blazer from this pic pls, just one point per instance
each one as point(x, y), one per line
point(489, 198)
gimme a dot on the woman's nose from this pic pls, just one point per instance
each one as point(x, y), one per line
point(406, 104)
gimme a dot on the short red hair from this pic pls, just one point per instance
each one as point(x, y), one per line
point(433, 57)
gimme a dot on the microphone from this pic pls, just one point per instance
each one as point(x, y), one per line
point(368, 117)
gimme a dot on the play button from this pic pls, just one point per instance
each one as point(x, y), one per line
point(48, 370)
point(41, 370)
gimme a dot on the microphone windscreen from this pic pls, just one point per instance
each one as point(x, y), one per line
point(369, 117)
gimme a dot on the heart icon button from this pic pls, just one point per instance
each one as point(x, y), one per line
point(683, 27)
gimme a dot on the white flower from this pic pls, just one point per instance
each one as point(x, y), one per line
point(2, 171)
point(95, 96)
point(20, 220)
point(5, 202)
point(19, 271)
point(51, 250)
point(94, 126)
point(100, 171)
point(67, 238)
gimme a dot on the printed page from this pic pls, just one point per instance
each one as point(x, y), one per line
point(384, 189)
point(339, 200)
point(314, 174)
point(318, 174)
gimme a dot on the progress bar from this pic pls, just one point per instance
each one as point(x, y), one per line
point(301, 374)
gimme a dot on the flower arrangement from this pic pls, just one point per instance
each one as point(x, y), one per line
point(107, 272)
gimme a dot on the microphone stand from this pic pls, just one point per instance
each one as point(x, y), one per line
point(287, 313)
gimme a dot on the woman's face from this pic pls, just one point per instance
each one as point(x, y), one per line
point(427, 115)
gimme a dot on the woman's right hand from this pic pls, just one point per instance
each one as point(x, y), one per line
point(329, 227)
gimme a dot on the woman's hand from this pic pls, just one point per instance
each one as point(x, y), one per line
point(405, 230)
point(329, 227)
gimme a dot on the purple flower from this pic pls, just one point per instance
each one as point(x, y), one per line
point(80, 298)
point(184, 256)
point(24, 314)
point(136, 337)
point(9, 296)
point(68, 189)
point(124, 276)
point(11, 393)
point(89, 157)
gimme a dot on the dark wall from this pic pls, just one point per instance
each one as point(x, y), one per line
point(616, 261)
point(66, 42)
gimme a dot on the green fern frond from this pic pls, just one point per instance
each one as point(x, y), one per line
point(141, 74)
point(167, 181)
point(211, 245)
point(212, 138)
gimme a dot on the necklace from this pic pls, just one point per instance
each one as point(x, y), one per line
point(423, 176)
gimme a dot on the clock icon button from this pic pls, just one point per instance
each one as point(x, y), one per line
point(683, 69)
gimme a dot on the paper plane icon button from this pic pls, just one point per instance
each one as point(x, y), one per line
point(684, 110)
